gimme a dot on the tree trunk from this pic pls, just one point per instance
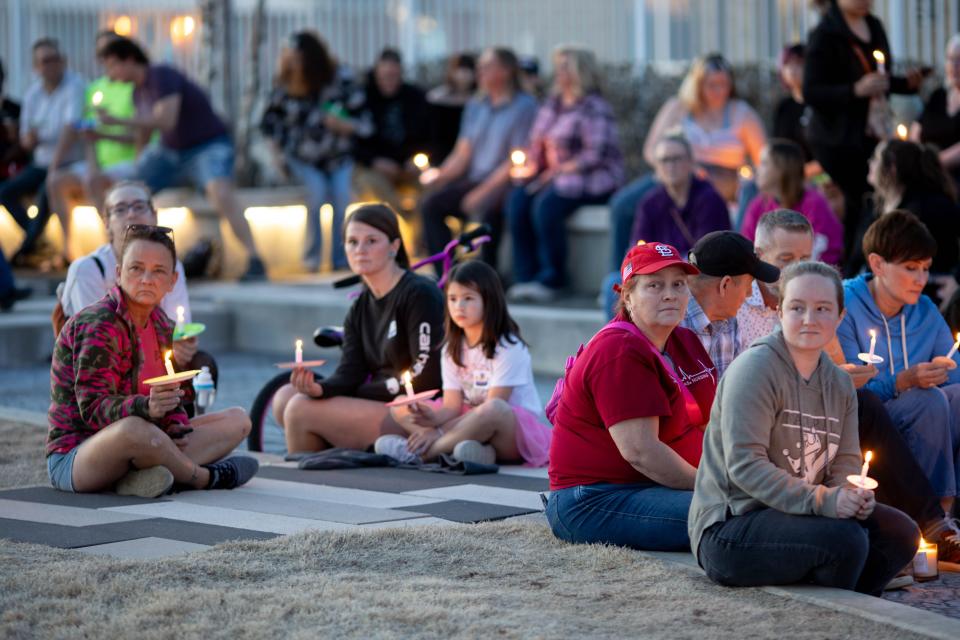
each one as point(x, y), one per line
point(246, 170)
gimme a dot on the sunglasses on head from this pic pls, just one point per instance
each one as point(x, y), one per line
point(148, 232)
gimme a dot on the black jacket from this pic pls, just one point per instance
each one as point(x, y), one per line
point(942, 217)
point(399, 121)
point(839, 118)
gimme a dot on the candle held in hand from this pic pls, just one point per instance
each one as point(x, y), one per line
point(168, 364)
point(408, 383)
point(956, 345)
point(298, 353)
point(881, 61)
point(902, 131)
point(421, 161)
point(518, 158)
point(863, 470)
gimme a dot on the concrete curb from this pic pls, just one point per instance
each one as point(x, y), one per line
point(901, 616)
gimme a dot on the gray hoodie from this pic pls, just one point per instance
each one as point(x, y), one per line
point(775, 440)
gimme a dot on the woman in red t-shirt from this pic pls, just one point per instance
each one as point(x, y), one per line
point(628, 428)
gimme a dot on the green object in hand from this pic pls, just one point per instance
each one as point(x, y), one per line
point(189, 330)
point(336, 109)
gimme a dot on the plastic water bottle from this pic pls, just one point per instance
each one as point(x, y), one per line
point(203, 385)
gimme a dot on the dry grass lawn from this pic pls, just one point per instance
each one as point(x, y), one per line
point(508, 579)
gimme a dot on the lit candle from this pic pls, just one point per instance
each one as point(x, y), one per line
point(881, 61)
point(925, 562)
point(863, 470)
point(421, 161)
point(746, 172)
point(953, 350)
point(873, 343)
point(97, 98)
point(179, 327)
point(298, 353)
point(518, 157)
point(168, 364)
point(902, 131)
point(408, 383)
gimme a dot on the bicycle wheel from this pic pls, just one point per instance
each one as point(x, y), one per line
point(265, 433)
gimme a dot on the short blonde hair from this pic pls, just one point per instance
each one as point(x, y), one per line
point(583, 63)
point(690, 93)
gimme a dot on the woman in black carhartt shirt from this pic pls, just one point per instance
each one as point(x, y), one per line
point(395, 325)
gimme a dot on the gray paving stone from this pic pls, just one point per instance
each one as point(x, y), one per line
point(143, 548)
point(65, 516)
point(295, 507)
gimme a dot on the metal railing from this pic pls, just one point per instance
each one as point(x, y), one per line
point(665, 33)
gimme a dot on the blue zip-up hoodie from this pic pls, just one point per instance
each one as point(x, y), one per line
point(917, 334)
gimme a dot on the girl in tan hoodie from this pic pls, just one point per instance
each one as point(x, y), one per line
point(771, 503)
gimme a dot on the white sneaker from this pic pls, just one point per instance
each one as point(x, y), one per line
point(396, 448)
point(533, 292)
point(518, 292)
point(899, 583)
point(151, 482)
point(473, 451)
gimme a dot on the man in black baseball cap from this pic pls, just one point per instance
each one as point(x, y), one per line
point(728, 265)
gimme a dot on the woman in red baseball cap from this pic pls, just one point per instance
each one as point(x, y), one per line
point(628, 425)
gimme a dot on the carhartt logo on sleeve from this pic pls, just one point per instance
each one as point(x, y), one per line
point(664, 250)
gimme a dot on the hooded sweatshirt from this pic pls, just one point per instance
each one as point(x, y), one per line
point(775, 440)
point(917, 334)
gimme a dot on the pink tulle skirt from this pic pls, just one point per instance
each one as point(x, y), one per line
point(533, 436)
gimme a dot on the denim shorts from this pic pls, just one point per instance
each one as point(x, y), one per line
point(60, 470)
point(161, 167)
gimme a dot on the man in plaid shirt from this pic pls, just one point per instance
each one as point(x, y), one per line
point(728, 265)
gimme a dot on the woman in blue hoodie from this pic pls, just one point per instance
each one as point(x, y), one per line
point(919, 385)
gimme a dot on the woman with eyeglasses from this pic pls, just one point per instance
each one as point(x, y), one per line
point(94, 275)
point(311, 120)
point(724, 131)
point(108, 428)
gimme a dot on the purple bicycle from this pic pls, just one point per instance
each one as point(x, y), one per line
point(265, 431)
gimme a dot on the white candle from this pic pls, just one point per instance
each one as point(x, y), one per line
point(298, 353)
point(408, 383)
point(168, 364)
point(518, 157)
point(863, 470)
point(179, 327)
point(873, 342)
point(925, 562)
point(97, 98)
point(956, 345)
point(421, 161)
point(881, 61)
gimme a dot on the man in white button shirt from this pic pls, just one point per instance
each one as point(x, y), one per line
point(52, 101)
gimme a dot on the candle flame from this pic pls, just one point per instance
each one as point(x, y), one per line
point(97, 98)
point(299, 344)
point(902, 131)
point(518, 157)
point(868, 457)
point(746, 172)
point(421, 161)
point(879, 57)
point(180, 313)
point(407, 378)
point(873, 333)
point(958, 337)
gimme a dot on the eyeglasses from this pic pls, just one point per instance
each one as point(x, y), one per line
point(672, 159)
point(136, 207)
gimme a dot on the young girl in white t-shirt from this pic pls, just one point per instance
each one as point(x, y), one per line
point(490, 408)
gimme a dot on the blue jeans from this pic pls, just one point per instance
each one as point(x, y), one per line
point(537, 225)
point(60, 469)
point(623, 210)
point(161, 167)
point(769, 547)
point(12, 190)
point(640, 516)
point(929, 420)
point(324, 187)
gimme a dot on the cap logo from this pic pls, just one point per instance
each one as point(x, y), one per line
point(627, 270)
point(663, 250)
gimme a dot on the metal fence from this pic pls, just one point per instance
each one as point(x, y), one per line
point(665, 33)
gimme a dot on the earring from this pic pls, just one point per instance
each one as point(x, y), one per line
point(393, 254)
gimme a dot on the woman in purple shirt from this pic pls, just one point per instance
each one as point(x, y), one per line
point(573, 159)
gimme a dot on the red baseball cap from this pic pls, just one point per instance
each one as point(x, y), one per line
point(650, 257)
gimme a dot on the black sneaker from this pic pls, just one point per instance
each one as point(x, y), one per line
point(231, 472)
point(255, 271)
